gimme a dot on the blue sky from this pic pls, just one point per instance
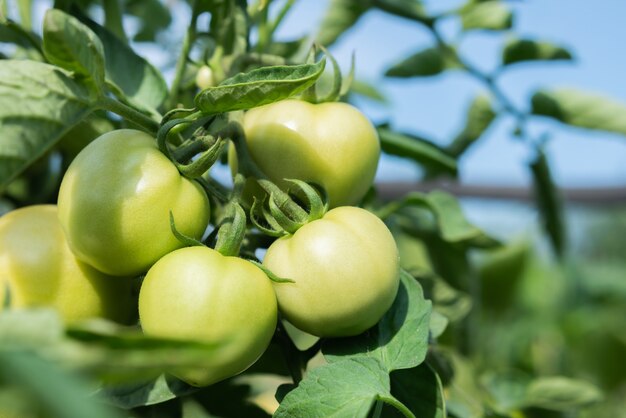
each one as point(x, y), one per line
point(435, 106)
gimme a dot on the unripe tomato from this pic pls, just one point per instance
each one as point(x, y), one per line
point(115, 199)
point(346, 272)
point(204, 77)
point(40, 270)
point(331, 144)
point(198, 294)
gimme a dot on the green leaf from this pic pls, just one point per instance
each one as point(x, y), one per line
point(154, 16)
point(447, 301)
point(561, 394)
point(367, 90)
point(438, 324)
point(59, 394)
point(420, 390)
point(71, 45)
point(427, 62)
point(340, 16)
point(480, 114)
point(399, 340)
point(410, 9)
point(506, 389)
point(346, 388)
point(549, 203)
point(520, 50)
point(152, 392)
point(581, 109)
point(39, 103)
point(416, 148)
point(131, 76)
point(30, 328)
point(258, 87)
point(229, 25)
point(489, 15)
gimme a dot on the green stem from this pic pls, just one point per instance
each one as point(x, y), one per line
point(279, 18)
point(113, 18)
point(389, 400)
point(264, 31)
point(188, 41)
point(128, 113)
point(378, 408)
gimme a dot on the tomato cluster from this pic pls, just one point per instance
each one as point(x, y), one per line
point(116, 200)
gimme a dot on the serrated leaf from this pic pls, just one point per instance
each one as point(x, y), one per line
point(140, 82)
point(71, 45)
point(520, 50)
point(417, 149)
point(420, 390)
point(399, 340)
point(258, 87)
point(151, 392)
point(38, 104)
point(480, 114)
point(549, 203)
point(581, 109)
point(346, 388)
point(489, 15)
point(561, 394)
point(340, 16)
point(427, 62)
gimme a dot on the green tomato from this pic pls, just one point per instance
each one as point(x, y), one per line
point(331, 144)
point(40, 270)
point(204, 77)
point(115, 200)
point(196, 293)
point(346, 272)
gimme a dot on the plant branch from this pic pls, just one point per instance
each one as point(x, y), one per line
point(188, 41)
point(389, 400)
point(128, 113)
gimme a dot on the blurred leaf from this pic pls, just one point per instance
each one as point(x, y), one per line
point(30, 329)
point(410, 9)
point(71, 45)
point(488, 15)
point(420, 390)
point(61, 395)
point(520, 50)
point(258, 87)
point(302, 340)
point(581, 109)
point(152, 392)
point(131, 76)
point(561, 394)
point(438, 324)
point(507, 389)
point(417, 149)
point(549, 203)
point(340, 16)
point(399, 340)
point(367, 90)
point(153, 16)
point(13, 33)
point(427, 62)
point(447, 301)
point(229, 25)
point(464, 398)
point(30, 126)
point(480, 114)
point(346, 388)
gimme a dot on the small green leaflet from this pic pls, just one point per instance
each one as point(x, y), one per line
point(560, 393)
point(73, 46)
point(524, 50)
point(340, 16)
point(488, 15)
point(418, 149)
point(258, 87)
point(420, 390)
point(155, 391)
point(480, 114)
point(427, 62)
point(39, 103)
point(399, 340)
point(549, 203)
point(581, 109)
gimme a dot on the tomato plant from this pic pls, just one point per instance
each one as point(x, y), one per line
point(198, 294)
point(345, 271)
point(41, 271)
point(115, 199)
point(325, 294)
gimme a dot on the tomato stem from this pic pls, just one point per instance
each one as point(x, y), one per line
point(130, 114)
point(390, 400)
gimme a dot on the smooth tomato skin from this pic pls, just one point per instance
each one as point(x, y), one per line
point(115, 199)
point(40, 270)
point(196, 293)
point(331, 144)
point(346, 272)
